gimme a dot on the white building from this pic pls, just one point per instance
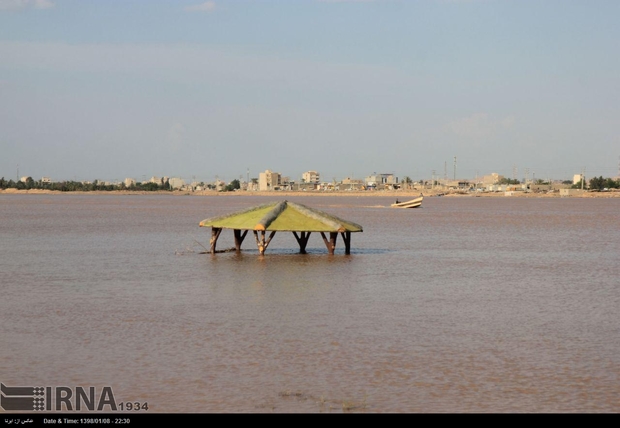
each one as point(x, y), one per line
point(176, 183)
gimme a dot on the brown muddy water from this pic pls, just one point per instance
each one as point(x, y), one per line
point(463, 305)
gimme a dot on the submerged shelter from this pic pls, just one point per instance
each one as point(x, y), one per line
point(282, 216)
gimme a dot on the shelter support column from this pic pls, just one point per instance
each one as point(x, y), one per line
point(302, 241)
point(331, 244)
point(346, 237)
point(262, 243)
point(239, 237)
point(215, 233)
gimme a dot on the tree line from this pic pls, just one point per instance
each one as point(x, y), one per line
point(600, 183)
point(596, 183)
point(72, 186)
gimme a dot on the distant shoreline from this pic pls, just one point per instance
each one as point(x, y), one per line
point(400, 194)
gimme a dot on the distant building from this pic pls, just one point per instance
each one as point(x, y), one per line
point(576, 178)
point(176, 183)
point(536, 188)
point(219, 185)
point(351, 184)
point(311, 177)
point(286, 183)
point(253, 185)
point(497, 188)
point(381, 181)
point(303, 186)
point(130, 182)
point(46, 180)
point(571, 192)
point(269, 180)
point(489, 179)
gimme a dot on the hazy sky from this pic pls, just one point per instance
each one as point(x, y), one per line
point(113, 89)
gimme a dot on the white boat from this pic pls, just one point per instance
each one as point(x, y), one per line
point(414, 203)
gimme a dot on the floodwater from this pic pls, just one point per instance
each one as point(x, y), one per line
point(462, 305)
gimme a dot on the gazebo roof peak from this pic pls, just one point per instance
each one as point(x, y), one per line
point(282, 216)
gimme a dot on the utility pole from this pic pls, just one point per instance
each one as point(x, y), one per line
point(433, 180)
point(583, 176)
point(454, 168)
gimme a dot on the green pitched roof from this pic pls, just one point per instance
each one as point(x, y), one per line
point(282, 216)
